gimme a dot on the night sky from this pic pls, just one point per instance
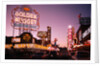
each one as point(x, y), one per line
point(57, 16)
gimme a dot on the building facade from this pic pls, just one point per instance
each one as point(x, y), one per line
point(84, 31)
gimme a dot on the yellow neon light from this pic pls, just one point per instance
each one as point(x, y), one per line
point(27, 46)
point(8, 46)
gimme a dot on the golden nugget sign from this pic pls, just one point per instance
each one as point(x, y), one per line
point(25, 17)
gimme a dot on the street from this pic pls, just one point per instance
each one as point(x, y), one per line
point(52, 55)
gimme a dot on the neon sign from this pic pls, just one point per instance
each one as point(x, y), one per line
point(15, 40)
point(86, 32)
point(25, 17)
point(42, 34)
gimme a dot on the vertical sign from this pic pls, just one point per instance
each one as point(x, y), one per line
point(70, 37)
point(49, 34)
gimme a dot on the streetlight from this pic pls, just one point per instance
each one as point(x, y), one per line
point(69, 26)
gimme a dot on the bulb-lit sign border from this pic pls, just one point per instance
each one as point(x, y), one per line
point(25, 18)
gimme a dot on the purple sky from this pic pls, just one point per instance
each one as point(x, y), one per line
point(56, 16)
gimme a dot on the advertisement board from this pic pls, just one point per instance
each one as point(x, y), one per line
point(42, 34)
